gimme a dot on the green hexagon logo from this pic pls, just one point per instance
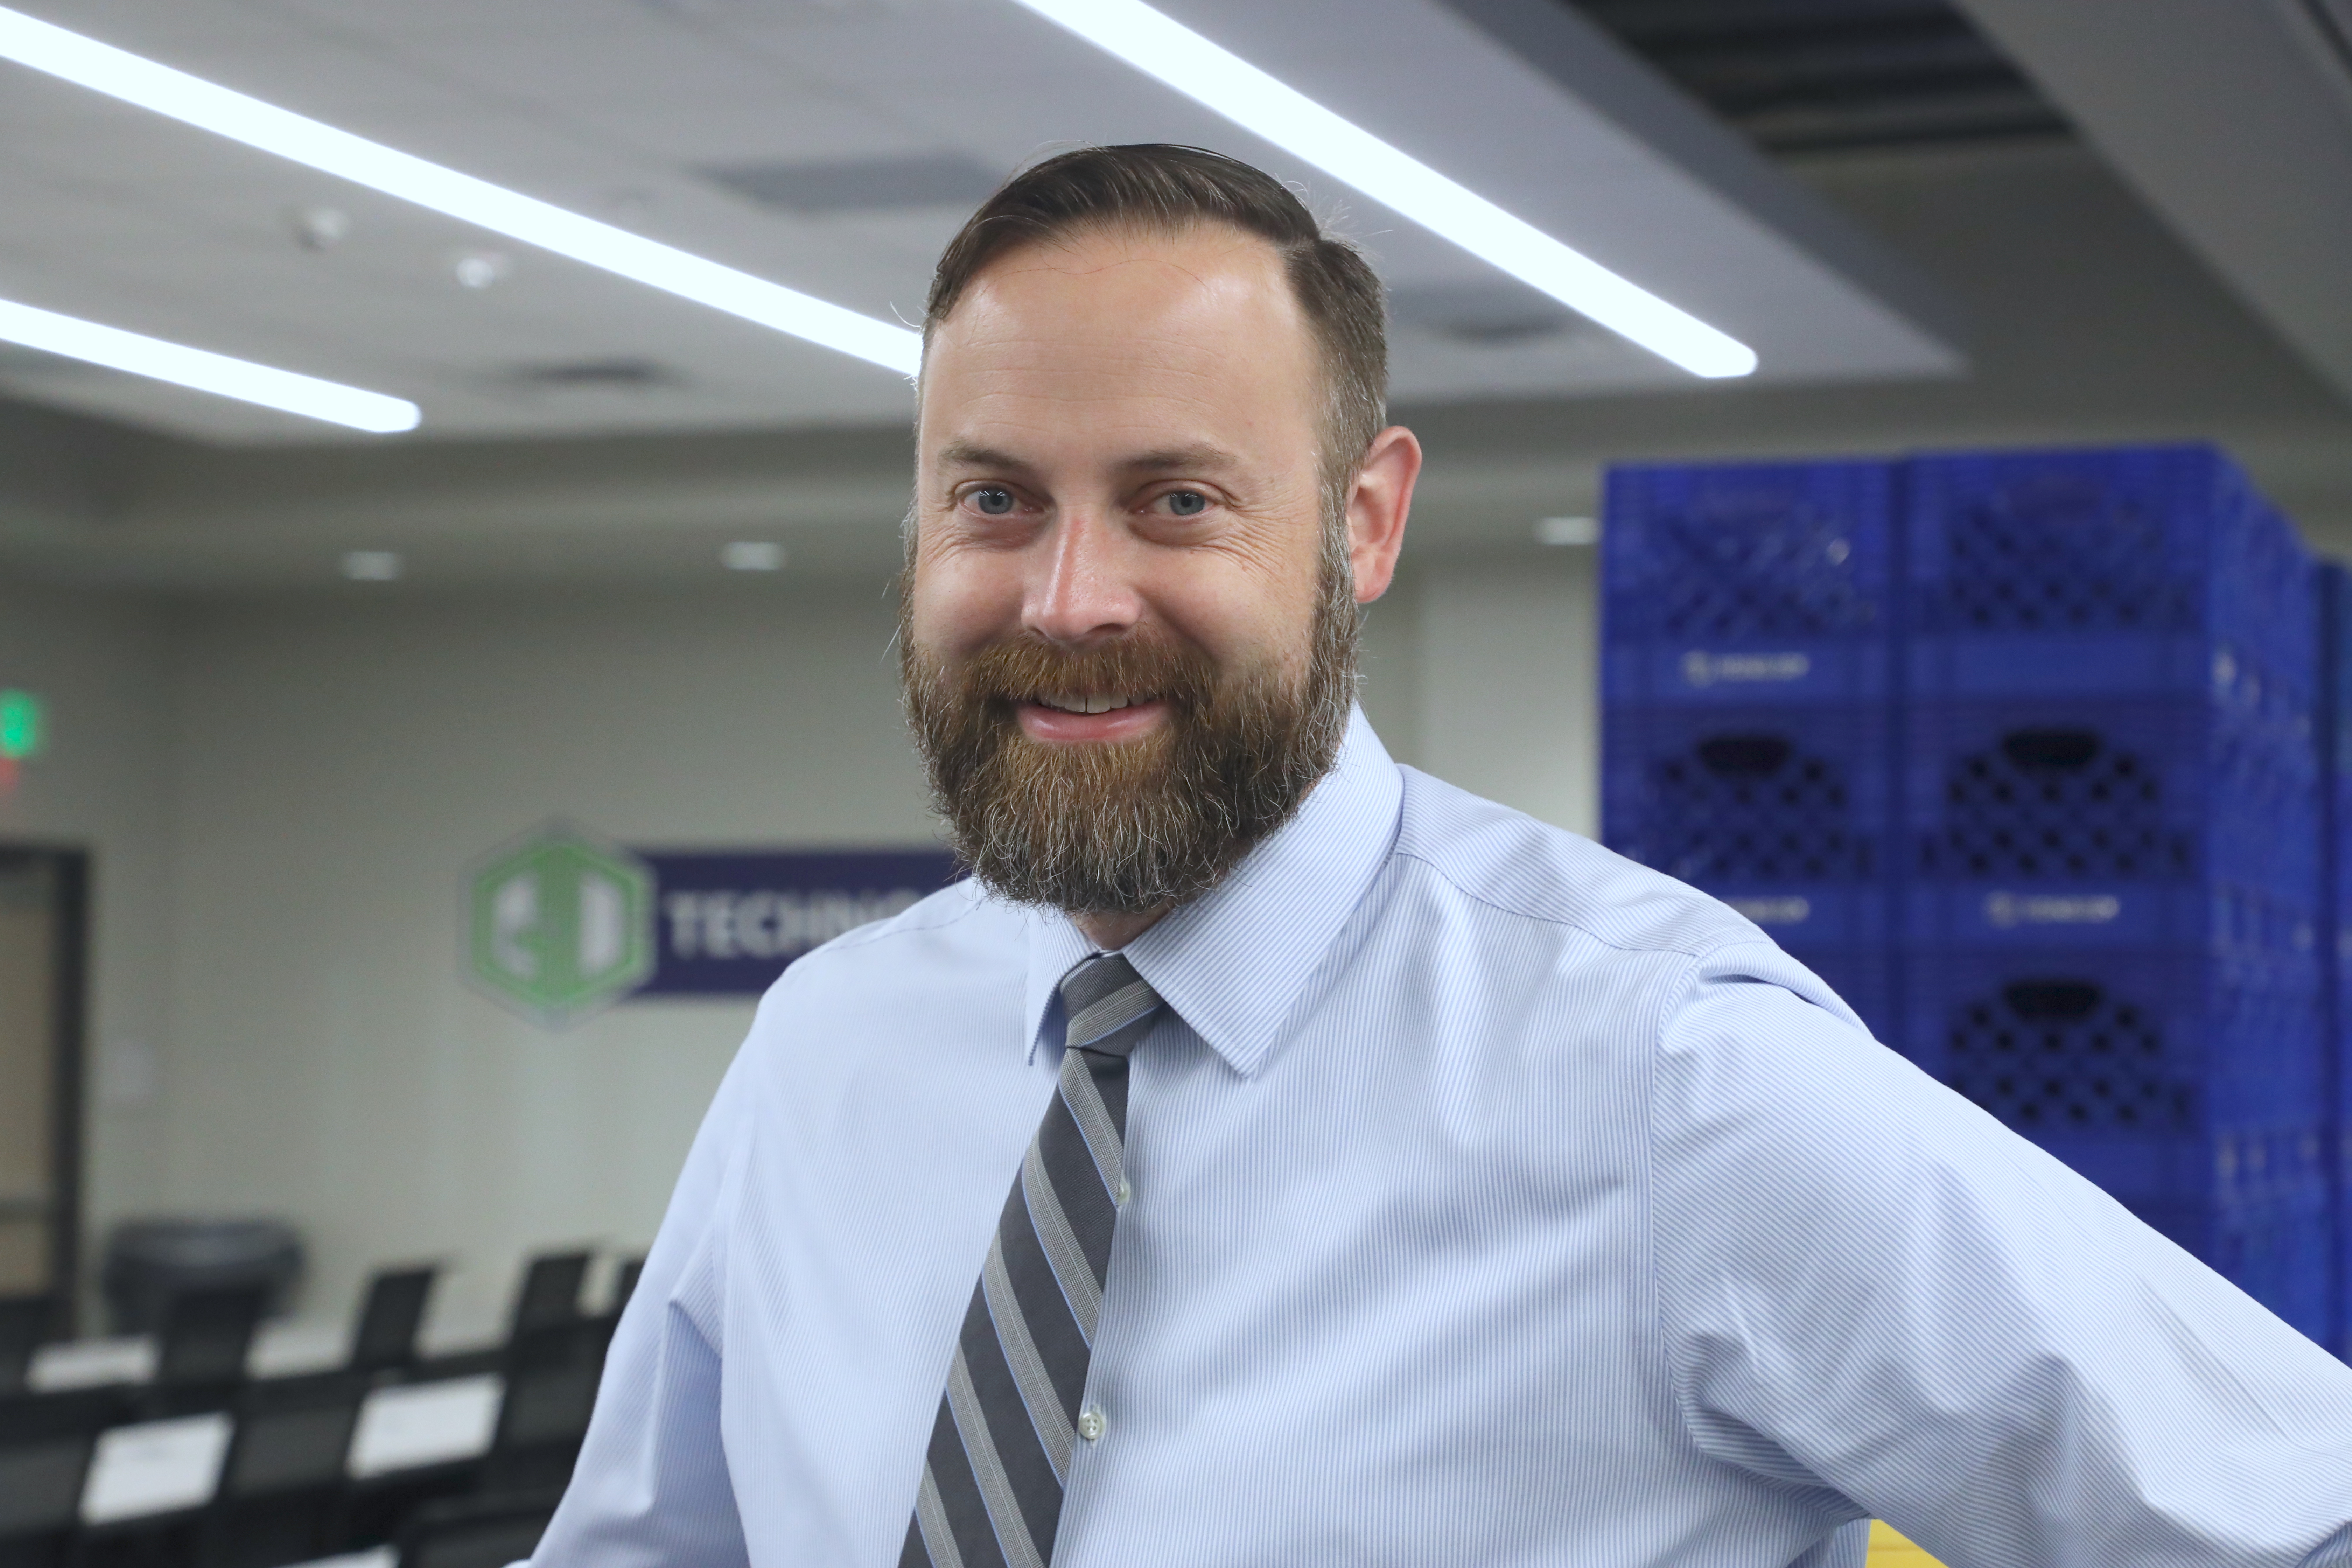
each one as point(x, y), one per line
point(560, 925)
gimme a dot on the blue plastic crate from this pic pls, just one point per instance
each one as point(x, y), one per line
point(2266, 803)
point(2185, 1087)
point(2066, 821)
point(2087, 687)
point(2165, 1074)
point(2148, 571)
point(1725, 581)
point(1785, 812)
point(2265, 600)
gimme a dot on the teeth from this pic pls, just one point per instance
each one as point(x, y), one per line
point(1087, 704)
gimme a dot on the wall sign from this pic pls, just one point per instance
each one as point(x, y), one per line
point(561, 924)
point(727, 922)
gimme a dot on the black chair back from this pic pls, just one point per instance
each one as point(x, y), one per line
point(24, 1322)
point(384, 1339)
point(542, 1420)
point(45, 1443)
point(281, 1488)
point(550, 1297)
point(446, 1423)
point(292, 1433)
point(207, 1335)
point(476, 1532)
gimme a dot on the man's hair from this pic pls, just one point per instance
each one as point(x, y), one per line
point(1166, 189)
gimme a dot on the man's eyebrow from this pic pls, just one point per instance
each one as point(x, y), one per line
point(1181, 459)
point(967, 455)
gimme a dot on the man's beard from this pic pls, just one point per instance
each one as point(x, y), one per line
point(1134, 826)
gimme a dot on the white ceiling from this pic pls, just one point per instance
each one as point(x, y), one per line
point(619, 108)
point(2091, 324)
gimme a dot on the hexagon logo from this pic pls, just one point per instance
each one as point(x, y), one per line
point(560, 925)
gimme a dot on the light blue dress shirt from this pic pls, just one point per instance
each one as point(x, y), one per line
point(1497, 1202)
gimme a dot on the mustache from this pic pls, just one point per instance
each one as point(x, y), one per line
point(1025, 668)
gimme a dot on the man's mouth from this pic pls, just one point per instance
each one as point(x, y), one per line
point(1077, 704)
point(1078, 716)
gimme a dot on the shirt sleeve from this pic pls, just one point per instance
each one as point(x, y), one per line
point(1867, 1284)
point(652, 1487)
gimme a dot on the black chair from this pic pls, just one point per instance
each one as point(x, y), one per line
point(207, 1336)
point(550, 1297)
point(281, 1491)
point(488, 1532)
point(384, 1339)
point(378, 1496)
point(550, 1333)
point(128, 1519)
point(45, 1442)
point(24, 1322)
point(551, 1393)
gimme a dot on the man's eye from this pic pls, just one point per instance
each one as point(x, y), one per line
point(991, 500)
point(1187, 503)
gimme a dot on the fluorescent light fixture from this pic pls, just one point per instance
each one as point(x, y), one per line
point(194, 101)
point(205, 370)
point(1568, 531)
point(1161, 47)
point(373, 566)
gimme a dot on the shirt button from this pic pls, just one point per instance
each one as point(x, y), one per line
point(1125, 1192)
point(1090, 1423)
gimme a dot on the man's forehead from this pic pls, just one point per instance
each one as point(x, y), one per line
point(1191, 329)
point(1092, 293)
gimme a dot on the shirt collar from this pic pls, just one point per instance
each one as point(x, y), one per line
point(1232, 961)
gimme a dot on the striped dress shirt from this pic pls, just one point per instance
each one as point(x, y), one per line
point(1495, 1201)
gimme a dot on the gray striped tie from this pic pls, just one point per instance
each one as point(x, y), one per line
point(999, 1453)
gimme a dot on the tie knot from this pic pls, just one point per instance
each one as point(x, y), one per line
point(1109, 1006)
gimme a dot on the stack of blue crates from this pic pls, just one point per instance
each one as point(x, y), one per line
point(2096, 888)
point(2111, 794)
point(1748, 672)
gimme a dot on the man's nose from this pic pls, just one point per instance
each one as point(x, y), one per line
point(1083, 589)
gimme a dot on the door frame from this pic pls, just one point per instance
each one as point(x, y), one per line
point(70, 1022)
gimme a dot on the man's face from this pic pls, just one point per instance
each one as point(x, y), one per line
point(1128, 651)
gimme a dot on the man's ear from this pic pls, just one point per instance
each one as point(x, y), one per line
point(1377, 509)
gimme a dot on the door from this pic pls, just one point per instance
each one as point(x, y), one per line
point(43, 907)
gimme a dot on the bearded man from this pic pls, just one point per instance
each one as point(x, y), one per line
point(1272, 1155)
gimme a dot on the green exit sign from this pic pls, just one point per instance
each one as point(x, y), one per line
point(22, 730)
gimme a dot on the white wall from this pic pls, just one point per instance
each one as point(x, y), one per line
point(99, 664)
point(1508, 671)
point(340, 766)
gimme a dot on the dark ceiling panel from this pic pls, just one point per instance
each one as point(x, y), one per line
point(1800, 76)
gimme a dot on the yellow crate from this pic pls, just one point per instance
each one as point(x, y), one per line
point(1890, 1548)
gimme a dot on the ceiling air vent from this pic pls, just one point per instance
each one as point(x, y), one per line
point(593, 375)
point(859, 184)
